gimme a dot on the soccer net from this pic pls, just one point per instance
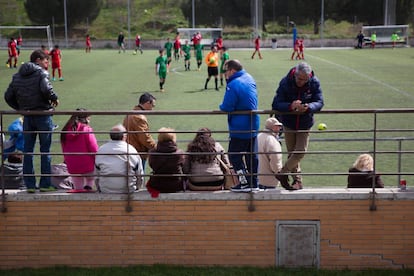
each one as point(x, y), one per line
point(209, 35)
point(384, 33)
point(33, 36)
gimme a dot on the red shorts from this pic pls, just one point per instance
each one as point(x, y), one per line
point(55, 64)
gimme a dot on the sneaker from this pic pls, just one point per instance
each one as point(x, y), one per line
point(264, 187)
point(61, 79)
point(31, 191)
point(48, 189)
point(55, 127)
point(284, 181)
point(53, 79)
point(244, 188)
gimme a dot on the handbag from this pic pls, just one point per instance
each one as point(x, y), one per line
point(230, 177)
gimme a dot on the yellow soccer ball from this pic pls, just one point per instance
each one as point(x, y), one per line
point(212, 60)
point(322, 126)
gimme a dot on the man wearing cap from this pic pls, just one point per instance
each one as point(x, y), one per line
point(115, 160)
point(138, 129)
point(270, 154)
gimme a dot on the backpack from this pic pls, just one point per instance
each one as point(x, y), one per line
point(13, 175)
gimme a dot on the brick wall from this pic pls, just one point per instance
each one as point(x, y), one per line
point(204, 228)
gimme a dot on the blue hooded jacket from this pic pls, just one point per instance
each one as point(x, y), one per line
point(241, 95)
point(310, 94)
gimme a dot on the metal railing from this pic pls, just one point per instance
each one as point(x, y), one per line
point(366, 140)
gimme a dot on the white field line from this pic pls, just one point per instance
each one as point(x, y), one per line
point(174, 70)
point(360, 74)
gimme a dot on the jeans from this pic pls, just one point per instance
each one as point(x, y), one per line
point(243, 156)
point(31, 124)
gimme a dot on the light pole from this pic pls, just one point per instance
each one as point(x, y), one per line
point(322, 21)
point(193, 13)
point(66, 23)
point(129, 23)
point(256, 17)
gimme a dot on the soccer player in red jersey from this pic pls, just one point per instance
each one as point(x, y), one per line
point(295, 50)
point(138, 44)
point(12, 51)
point(219, 44)
point(196, 39)
point(88, 44)
point(257, 47)
point(177, 47)
point(56, 62)
point(301, 46)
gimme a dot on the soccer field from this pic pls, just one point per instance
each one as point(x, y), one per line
point(351, 79)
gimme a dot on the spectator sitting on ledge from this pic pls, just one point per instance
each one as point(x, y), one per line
point(362, 173)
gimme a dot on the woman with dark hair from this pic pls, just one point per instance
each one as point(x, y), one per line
point(204, 168)
point(79, 146)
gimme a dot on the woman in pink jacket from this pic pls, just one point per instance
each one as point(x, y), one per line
point(77, 137)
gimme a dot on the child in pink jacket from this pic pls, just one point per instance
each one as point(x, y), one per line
point(78, 137)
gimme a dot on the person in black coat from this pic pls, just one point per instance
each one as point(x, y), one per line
point(361, 175)
point(166, 161)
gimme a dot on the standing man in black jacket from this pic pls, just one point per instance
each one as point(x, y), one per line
point(31, 90)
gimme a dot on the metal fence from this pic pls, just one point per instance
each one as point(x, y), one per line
point(384, 133)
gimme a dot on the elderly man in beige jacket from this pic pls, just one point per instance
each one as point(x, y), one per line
point(270, 154)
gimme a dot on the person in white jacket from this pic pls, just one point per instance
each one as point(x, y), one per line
point(118, 165)
point(270, 154)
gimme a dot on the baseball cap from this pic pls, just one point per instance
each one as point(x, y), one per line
point(270, 122)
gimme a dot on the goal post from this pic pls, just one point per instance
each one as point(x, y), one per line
point(209, 35)
point(5, 32)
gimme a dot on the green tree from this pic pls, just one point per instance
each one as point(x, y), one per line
point(209, 12)
point(42, 11)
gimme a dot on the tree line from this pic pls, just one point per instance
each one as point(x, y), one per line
point(212, 13)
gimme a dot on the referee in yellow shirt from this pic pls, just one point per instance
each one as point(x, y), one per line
point(212, 60)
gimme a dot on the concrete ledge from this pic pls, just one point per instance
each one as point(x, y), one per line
point(277, 194)
point(328, 228)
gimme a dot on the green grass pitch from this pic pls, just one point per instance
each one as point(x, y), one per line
point(105, 80)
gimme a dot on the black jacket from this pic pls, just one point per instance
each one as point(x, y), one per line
point(30, 89)
point(287, 92)
point(359, 179)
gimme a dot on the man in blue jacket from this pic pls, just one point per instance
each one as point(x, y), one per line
point(299, 95)
point(241, 95)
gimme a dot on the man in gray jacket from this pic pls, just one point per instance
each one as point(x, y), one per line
point(31, 90)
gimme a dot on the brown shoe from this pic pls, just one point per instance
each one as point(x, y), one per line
point(284, 181)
